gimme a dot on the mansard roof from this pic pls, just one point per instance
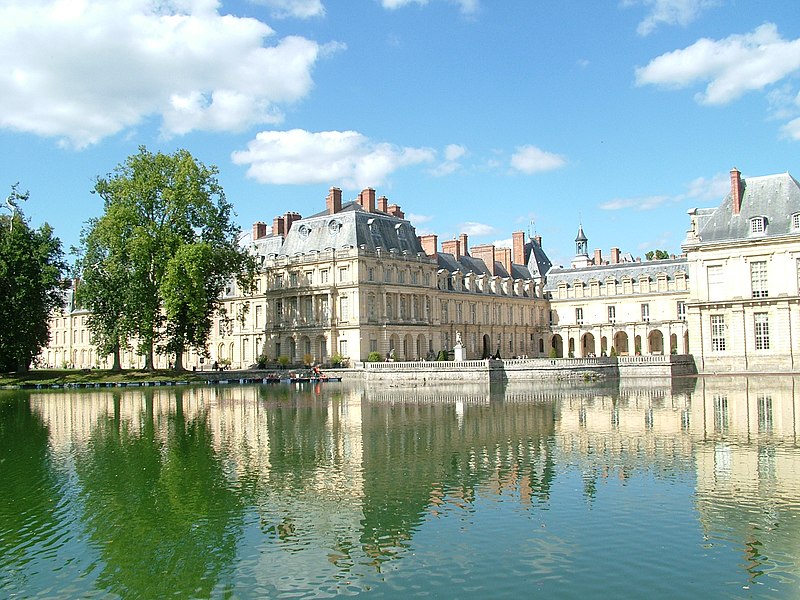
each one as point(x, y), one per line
point(351, 227)
point(618, 271)
point(775, 197)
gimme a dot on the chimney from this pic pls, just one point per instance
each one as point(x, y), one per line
point(505, 259)
point(259, 230)
point(486, 254)
point(462, 238)
point(518, 247)
point(278, 225)
point(383, 203)
point(538, 240)
point(429, 243)
point(394, 210)
point(615, 256)
point(367, 199)
point(290, 218)
point(598, 257)
point(452, 247)
point(334, 200)
point(736, 190)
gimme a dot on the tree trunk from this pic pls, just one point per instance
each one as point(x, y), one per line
point(116, 365)
point(179, 359)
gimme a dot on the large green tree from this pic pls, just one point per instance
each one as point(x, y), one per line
point(156, 262)
point(32, 271)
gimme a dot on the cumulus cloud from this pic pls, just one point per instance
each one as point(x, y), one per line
point(466, 7)
point(530, 159)
point(669, 12)
point(452, 155)
point(731, 66)
point(86, 69)
point(345, 158)
point(701, 189)
point(477, 229)
point(298, 9)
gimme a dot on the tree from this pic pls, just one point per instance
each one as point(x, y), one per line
point(32, 282)
point(657, 255)
point(167, 246)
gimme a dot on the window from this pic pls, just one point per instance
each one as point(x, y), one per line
point(258, 315)
point(758, 278)
point(401, 277)
point(445, 312)
point(343, 347)
point(716, 288)
point(373, 345)
point(371, 274)
point(344, 308)
point(682, 311)
point(612, 314)
point(278, 281)
point(646, 313)
point(309, 277)
point(344, 274)
point(323, 276)
point(761, 322)
point(414, 278)
point(796, 221)
point(292, 279)
point(371, 307)
point(278, 311)
point(757, 225)
point(764, 409)
point(579, 316)
point(718, 333)
point(387, 275)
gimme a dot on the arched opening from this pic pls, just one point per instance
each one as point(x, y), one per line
point(487, 347)
point(557, 344)
point(408, 345)
point(292, 350)
point(621, 343)
point(673, 344)
point(305, 348)
point(588, 345)
point(420, 347)
point(686, 343)
point(572, 347)
point(637, 345)
point(655, 342)
point(394, 343)
point(321, 349)
point(604, 346)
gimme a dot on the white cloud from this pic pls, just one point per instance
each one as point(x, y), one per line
point(701, 189)
point(506, 243)
point(419, 219)
point(530, 159)
point(395, 4)
point(669, 12)
point(451, 164)
point(473, 228)
point(792, 129)
point(345, 158)
point(82, 70)
point(298, 9)
point(731, 66)
point(466, 7)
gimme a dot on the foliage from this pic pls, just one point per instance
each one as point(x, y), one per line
point(613, 351)
point(283, 360)
point(308, 359)
point(337, 360)
point(262, 361)
point(32, 272)
point(656, 254)
point(374, 357)
point(442, 355)
point(156, 262)
point(553, 353)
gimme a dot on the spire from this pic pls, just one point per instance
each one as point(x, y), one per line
point(581, 242)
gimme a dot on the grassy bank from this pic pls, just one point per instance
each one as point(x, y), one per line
point(66, 376)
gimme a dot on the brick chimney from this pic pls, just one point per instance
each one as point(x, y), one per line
point(383, 203)
point(429, 243)
point(598, 257)
point(334, 200)
point(736, 190)
point(367, 199)
point(462, 238)
point(538, 240)
point(614, 256)
point(278, 226)
point(452, 247)
point(518, 247)
point(259, 230)
point(486, 253)
point(290, 218)
point(394, 210)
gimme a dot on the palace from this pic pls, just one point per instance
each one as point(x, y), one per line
point(355, 279)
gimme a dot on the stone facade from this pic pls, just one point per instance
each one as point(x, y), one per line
point(356, 279)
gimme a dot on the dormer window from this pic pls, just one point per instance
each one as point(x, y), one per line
point(796, 221)
point(758, 225)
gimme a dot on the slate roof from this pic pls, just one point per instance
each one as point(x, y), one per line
point(601, 273)
point(775, 197)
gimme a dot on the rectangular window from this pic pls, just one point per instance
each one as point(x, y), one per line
point(445, 312)
point(414, 278)
point(344, 308)
point(646, 313)
point(758, 278)
point(278, 282)
point(682, 311)
point(343, 347)
point(344, 274)
point(401, 277)
point(258, 315)
point(371, 274)
point(387, 275)
point(309, 277)
point(579, 316)
point(323, 276)
point(292, 279)
point(373, 345)
point(757, 225)
point(716, 287)
point(764, 408)
point(718, 333)
point(612, 314)
point(761, 323)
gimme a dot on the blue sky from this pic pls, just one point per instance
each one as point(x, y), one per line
point(475, 116)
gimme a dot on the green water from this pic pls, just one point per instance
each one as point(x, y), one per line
point(684, 489)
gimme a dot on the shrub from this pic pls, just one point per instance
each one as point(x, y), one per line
point(374, 357)
point(262, 360)
point(553, 353)
point(283, 360)
point(442, 355)
point(337, 360)
point(613, 351)
point(308, 359)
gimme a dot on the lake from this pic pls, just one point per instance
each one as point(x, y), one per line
point(660, 489)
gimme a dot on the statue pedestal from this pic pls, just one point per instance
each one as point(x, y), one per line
point(458, 352)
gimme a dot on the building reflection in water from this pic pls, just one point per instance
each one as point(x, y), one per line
point(336, 479)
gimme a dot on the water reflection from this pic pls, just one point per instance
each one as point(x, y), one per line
point(267, 490)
